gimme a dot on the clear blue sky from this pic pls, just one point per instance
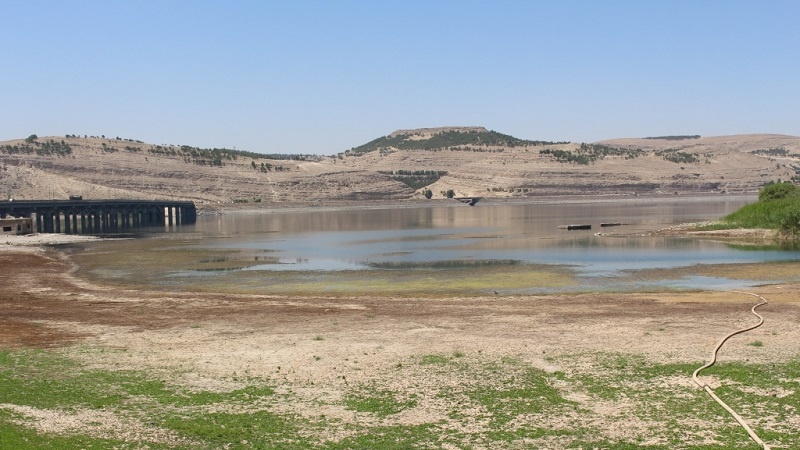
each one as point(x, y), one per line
point(323, 76)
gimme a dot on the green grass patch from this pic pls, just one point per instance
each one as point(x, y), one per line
point(517, 393)
point(778, 208)
point(45, 380)
point(653, 395)
point(768, 214)
point(434, 359)
point(398, 437)
point(13, 436)
point(381, 402)
point(261, 429)
point(477, 401)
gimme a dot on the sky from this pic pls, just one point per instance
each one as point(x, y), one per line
point(320, 77)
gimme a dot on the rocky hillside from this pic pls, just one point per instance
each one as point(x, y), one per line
point(469, 161)
point(476, 162)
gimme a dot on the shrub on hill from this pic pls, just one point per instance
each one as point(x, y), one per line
point(452, 139)
point(589, 153)
point(47, 148)
point(218, 156)
point(415, 179)
point(677, 156)
point(679, 137)
point(778, 151)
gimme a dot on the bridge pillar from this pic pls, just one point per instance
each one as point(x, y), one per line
point(106, 221)
point(114, 219)
point(48, 222)
point(67, 228)
point(57, 220)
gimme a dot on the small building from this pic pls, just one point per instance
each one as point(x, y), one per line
point(12, 225)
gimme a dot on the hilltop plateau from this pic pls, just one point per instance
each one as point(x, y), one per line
point(464, 161)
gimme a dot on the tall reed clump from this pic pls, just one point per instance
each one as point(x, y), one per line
point(778, 208)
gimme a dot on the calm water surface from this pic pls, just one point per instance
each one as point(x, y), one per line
point(514, 248)
point(327, 242)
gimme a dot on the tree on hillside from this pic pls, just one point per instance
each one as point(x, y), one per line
point(30, 139)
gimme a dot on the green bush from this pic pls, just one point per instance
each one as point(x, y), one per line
point(775, 191)
point(769, 214)
point(789, 222)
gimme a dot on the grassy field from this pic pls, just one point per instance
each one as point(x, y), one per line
point(483, 402)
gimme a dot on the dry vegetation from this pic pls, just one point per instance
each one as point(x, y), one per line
point(478, 163)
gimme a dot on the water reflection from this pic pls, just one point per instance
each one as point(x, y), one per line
point(472, 239)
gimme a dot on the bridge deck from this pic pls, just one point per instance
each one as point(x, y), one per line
point(99, 216)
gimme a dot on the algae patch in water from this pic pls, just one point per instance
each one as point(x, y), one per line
point(418, 282)
point(183, 266)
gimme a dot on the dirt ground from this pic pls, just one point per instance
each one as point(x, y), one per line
point(321, 345)
point(44, 305)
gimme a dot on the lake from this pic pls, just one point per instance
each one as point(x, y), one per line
point(483, 249)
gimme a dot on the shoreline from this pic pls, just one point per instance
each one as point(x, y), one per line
point(8, 242)
point(204, 209)
point(30, 242)
point(317, 354)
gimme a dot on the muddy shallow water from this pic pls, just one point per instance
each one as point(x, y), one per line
point(508, 249)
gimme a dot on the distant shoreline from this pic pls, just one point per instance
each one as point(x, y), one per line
point(30, 241)
point(485, 201)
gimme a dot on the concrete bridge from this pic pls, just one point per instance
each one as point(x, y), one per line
point(99, 216)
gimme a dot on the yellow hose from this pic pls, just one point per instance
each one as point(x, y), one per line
point(713, 361)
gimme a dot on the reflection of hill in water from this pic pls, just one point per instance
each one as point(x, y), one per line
point(503, 248)
point(537, 220)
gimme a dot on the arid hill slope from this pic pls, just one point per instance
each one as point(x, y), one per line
point(469, 161)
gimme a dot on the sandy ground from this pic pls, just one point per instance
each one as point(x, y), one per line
point(321, 345)
point(45, 305)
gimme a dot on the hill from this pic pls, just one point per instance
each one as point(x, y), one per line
point(471, 161)
point(451, 138)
